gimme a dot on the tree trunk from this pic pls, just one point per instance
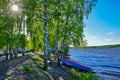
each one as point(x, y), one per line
point(64, 37)
point(10, 35)
point(49, 49)
point(62, 50)
point(57, 38)
point(45, 37)
point(18, 36)
point(24, 36)
point(34, 43)
point(10, 41)
point(56, 45)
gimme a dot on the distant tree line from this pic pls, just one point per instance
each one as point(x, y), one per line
point(106, 46)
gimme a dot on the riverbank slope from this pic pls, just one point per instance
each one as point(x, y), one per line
point(30, 67)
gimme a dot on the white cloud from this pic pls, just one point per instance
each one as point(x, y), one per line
point(109, 33)
point(118, 41)
point(95, 42)
point(108, 39)
point(99, 42)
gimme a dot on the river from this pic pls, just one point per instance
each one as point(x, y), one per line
point(106, 62)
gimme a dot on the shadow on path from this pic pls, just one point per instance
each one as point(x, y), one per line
point(6, 66)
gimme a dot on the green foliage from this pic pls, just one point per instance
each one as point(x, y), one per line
point(22, 41)
point(43, 67)
point(67, 15)
point(82, 76)
point(66, 50)
point(3, 39)
point(29, 44)
point(64, 22)
point(27, 69)
point(38, 59)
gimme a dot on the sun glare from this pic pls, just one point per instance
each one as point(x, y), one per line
point(15, 8)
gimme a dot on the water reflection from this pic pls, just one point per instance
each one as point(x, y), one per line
point(106, 61)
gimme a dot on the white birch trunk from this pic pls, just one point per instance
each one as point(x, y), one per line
point(10, 37)
point(45, 37)
point(18, 36)
point(24, 35)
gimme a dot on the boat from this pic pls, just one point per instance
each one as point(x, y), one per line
point(75, 64)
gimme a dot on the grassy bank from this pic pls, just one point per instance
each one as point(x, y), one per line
point(82, 76)
point(31, 67)
point(74, 75)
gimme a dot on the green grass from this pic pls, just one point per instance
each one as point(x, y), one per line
point(43, 67)
point(82, 76)
point(27, 69)
point(38, 59)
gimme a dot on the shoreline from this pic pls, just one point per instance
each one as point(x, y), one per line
point(30, 67)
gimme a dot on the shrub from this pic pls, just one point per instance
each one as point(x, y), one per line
point(66, 50)
point(38, 59)
point(43, 67)
point(27, 69)
point(82, 76)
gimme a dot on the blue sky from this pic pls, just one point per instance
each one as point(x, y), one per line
point(103, 24)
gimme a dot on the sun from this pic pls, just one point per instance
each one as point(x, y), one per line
point(15, 7)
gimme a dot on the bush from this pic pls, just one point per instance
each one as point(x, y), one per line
point(66, 50)
point(27, 69)
point(38, 59)
point(82, 76)
point(43, 67)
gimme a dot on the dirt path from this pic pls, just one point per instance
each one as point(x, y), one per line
point(6, 67)
point(11, 70)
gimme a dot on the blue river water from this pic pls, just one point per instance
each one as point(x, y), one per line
point(105, 62)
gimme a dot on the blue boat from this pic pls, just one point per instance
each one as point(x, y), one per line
point(77, 65)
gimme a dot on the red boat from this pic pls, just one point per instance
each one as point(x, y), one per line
point(75, 64)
